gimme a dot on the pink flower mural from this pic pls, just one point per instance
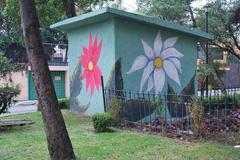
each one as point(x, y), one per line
point(89, 60)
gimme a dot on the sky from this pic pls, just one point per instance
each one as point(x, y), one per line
point(131, 5)
point(199, 3)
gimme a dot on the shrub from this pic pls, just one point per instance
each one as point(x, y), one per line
point(6, 67)
point(220, 102)
point(159, 106)
point(64, 103)
point(197, 112)
point(137, 109)
point(7, 94)
point(102, 121)
point(116, 109)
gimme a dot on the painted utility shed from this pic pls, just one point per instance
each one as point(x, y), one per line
point(131, 52)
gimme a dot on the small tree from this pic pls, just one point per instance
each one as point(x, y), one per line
point(197, 114)
point(6, 67)
point(7, 92)
point(203, 70)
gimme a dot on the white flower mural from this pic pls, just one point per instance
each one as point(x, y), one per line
point(158, 62)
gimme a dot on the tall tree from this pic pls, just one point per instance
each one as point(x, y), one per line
point(69, 8)
point(212, 72)
point(223, 24)
point(1, 5)
point(59, 144)
point(165, 9)
point(49, 12)
point(7, 92)
point(69, 12)
point(224, 21)
point(179, 11)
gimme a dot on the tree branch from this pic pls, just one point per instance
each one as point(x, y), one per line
point(69, 8)
point(233, 37)
point(227, 48)
point(194, 23)
point(229, 28)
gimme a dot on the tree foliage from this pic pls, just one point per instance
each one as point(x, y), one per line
point(49, 12)
point(9, 32)
point(223, 24)
point(224, 18)
point(203, 71)
point(85, 6)
point(165, 9)
point(6, 67)
point(7, 92)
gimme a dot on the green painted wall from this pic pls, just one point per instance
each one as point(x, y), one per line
point(129, 46)
point(77, 39)
point(58, 78)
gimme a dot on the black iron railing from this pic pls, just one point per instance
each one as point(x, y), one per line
point(169, 113)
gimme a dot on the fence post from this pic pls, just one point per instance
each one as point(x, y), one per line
point(103, 92)
point(234, 100)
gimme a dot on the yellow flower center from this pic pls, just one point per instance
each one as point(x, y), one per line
point(158, 62)
point(90, 66)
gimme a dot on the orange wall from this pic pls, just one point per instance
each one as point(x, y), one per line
point(20, 78)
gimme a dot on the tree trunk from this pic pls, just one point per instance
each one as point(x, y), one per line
point(1, 6)
point(69, 12)
point(59, 144)
point(69, 8)
point(194, 23)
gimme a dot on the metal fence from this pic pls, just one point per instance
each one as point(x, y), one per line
point(218, 92)
point(56, 54)
point(170, 114)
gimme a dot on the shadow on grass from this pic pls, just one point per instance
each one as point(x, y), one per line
point(226, 138)
point(109, 130)
point(15, 129)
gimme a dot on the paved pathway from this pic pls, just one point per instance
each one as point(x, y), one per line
point(21, 108)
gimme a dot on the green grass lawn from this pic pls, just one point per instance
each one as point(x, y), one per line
point(29, 142)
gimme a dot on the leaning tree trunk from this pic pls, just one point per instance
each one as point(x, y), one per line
point(59, 144)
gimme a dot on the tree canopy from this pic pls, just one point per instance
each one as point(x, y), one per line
point(48, 11)
point(223, 24)
point(165, 9)
point(224, 18)
point(5, 66)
